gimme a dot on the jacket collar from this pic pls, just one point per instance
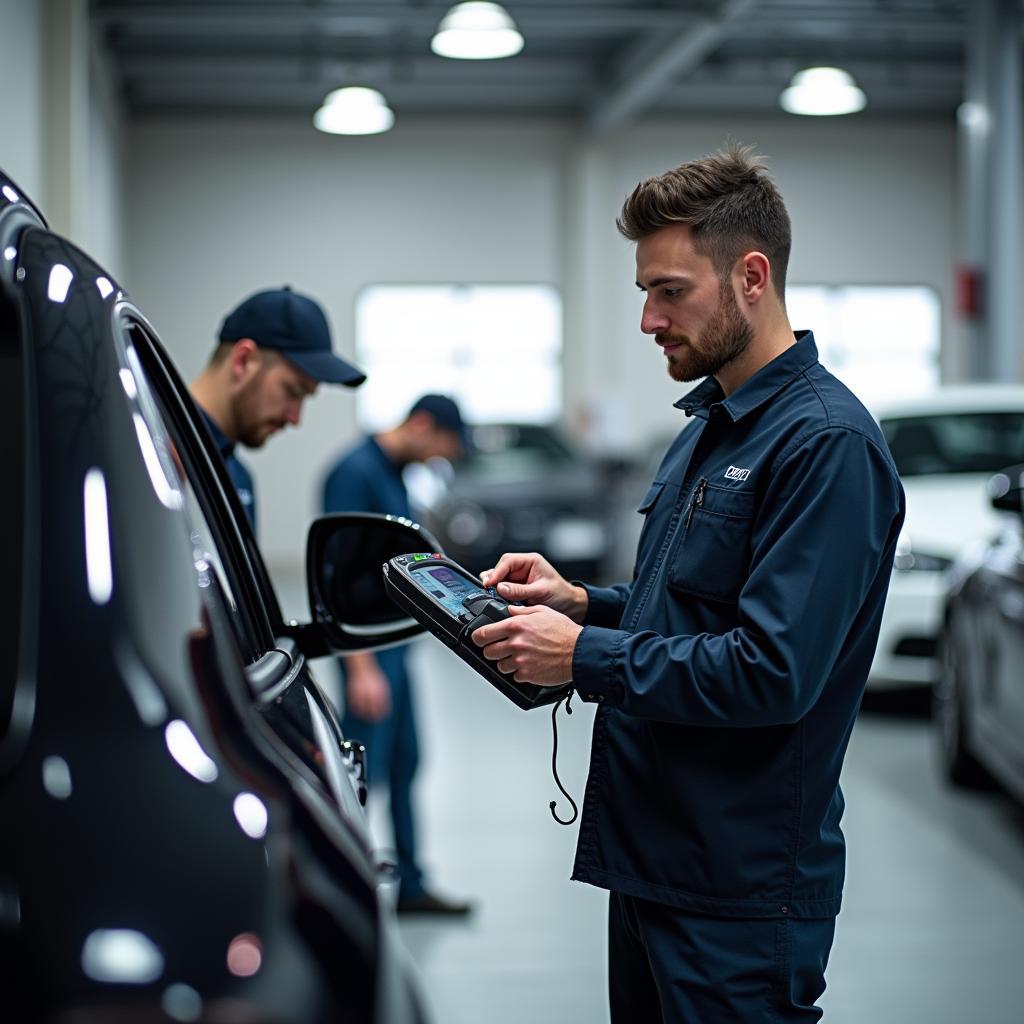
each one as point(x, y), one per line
point(224, 445)
point(763, 385)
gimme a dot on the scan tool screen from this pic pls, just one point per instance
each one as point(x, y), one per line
point(448, 587)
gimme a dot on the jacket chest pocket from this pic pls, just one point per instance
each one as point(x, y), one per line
point(710, 556)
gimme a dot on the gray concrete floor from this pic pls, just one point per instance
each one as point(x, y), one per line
point(932, 929)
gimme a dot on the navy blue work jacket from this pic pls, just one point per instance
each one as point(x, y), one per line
point(240, 476)
point(729, 672)
point(364, 479)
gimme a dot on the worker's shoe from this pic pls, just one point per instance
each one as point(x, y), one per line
point(430, 903)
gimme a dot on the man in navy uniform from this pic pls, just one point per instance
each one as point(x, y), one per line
point(273, 350)
point(379, 708)
point(729, 672)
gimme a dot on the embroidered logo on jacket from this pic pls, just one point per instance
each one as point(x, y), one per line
point(735, 473)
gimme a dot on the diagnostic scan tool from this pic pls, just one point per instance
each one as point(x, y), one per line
point(451, 603)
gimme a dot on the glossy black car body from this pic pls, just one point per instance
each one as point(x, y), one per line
point(523, 487)
point(182, 835)
point(979, 695)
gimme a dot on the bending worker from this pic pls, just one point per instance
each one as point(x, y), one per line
point(272, 351)
point(729, 672)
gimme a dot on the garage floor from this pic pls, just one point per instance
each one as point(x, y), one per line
point(932, 930)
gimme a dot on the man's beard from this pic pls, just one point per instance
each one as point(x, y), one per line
point(724, 338)
point(253, 432)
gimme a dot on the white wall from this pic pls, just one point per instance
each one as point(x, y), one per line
point(219, 208)
point(61, 112)
point(21, 112)
point(102, 221)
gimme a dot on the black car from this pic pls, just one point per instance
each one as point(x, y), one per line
point(182, 829)
point(979, 695)
point(524, 487)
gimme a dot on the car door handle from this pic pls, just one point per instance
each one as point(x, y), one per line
point(354, 757)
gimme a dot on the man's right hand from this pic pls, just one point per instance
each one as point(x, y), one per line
point(367, 690)
point(532, 579)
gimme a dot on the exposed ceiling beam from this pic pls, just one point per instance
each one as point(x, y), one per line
point(539, 17)
point(639, 86)
point(696, 100)
point(330, 67)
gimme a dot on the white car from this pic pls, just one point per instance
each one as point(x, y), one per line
point(945, 445)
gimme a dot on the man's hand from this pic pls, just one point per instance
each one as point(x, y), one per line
point(367, 690)
point(533, 580)
point(534, 645)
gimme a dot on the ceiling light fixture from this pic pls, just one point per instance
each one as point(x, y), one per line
point(354, 110)
point(822, 92)
point(477, 31)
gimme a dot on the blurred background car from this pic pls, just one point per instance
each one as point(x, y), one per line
point(522, 487)
point(979, 693)
point(945, 446)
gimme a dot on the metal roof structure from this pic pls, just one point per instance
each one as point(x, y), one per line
point(605, 62)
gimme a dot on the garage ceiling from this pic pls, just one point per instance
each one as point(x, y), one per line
point(602, 61)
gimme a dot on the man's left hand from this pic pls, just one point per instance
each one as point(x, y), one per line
point(534, 644)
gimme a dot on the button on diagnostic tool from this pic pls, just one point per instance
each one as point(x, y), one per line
point(483, 609)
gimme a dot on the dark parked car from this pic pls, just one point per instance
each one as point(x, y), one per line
point(979, 695)
point(182, 832)
point(523, 487)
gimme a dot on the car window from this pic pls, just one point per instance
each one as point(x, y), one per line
point(279, 681)
point(970, 442)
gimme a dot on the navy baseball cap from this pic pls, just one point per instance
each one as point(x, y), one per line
point(295, 325)
point(445, 414)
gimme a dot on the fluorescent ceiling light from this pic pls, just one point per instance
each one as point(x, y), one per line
point(477, 31)
point(354, 110)
point(251, 814)
point(822, 92)
point(185, 749)
point(99, 569)
point(59, 283)
point(121, 956)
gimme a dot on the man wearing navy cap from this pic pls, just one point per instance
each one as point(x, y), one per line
point(273, 350)
point(378, 703)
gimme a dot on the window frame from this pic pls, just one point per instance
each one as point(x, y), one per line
point(18, 691)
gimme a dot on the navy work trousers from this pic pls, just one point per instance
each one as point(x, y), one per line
point(392, 757)
point(667, 965)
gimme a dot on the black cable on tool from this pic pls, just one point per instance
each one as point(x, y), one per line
point(554, 763)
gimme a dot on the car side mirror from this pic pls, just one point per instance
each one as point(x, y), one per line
point(1005, 490)
point(345, 554)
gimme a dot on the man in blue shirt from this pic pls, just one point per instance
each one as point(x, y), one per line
point(272, 351)
point(729, 672)
point(378, 700)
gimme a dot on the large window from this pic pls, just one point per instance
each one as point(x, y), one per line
point(881, 341)
point(496, 349)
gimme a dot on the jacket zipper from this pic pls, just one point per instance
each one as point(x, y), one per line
point(696, 501)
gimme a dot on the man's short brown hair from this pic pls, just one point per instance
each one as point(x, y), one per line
point(729, 203)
